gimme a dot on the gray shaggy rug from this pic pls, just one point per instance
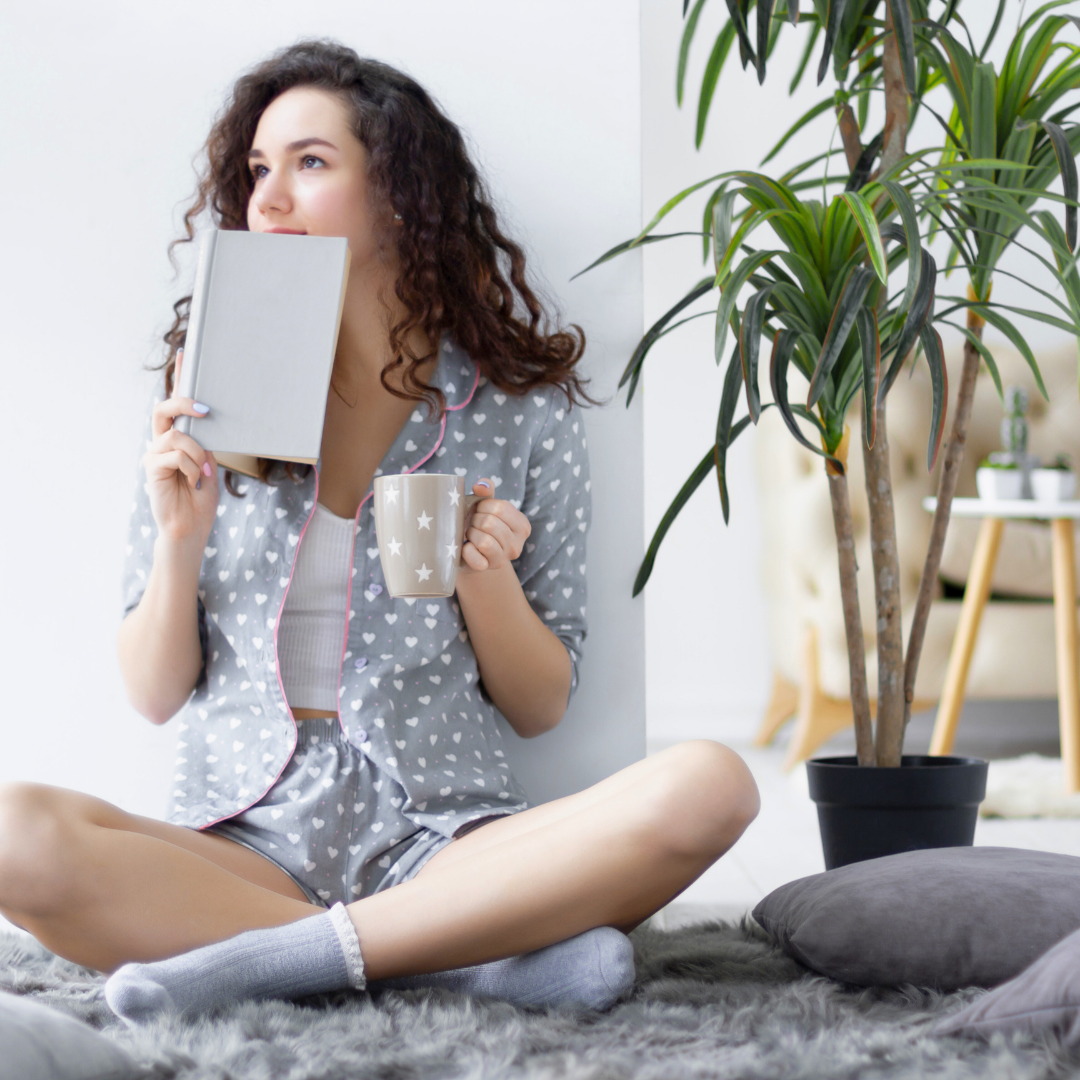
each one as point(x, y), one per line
point(712, 1000)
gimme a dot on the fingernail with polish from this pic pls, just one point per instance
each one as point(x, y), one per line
point(198, 483)
point(483, 484)
point(206, 468)
point(200, 408)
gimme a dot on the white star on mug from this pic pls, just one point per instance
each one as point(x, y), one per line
point(451, 551)
point(394, 546)
point(423, 573)
point(455, 498)
point(390, 495)
point(424, 521)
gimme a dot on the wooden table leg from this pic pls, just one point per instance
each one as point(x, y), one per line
point(1068, 650)
point(975, 597)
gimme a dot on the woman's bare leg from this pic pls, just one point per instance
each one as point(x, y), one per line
point(102, 887)
point(609, 856)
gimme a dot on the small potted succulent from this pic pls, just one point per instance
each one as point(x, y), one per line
point(1055, 482)
point(999, 477)
point(1006, 473)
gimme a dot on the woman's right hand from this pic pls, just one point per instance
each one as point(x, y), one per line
point(181, 476)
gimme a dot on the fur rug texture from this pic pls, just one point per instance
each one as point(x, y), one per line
point(712, 1000)
point(1030, 786)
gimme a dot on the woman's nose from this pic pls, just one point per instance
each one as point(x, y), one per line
point(271, 194)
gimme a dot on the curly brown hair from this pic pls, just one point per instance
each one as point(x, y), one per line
point(459, 273)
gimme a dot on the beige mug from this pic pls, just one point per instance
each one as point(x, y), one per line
point(420, 528)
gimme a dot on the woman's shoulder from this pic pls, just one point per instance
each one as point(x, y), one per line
point(523, 415)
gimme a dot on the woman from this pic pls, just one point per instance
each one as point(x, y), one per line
point(366, 771)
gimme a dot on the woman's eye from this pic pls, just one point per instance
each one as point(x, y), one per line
point(258, 172)
point(310, 161)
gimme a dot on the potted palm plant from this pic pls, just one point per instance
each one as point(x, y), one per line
point(825, 291)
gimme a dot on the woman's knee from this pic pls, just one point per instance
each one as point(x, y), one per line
point(35, 846)
point(704, 797)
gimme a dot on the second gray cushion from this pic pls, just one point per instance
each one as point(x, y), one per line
point(1045, 998)
point(944, 917)
point(39, 1043)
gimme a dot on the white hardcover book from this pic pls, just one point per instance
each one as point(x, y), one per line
point(261, 337)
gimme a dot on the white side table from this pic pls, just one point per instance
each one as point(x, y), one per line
point(995, 513)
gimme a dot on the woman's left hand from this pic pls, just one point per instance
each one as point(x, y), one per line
point(496, 532)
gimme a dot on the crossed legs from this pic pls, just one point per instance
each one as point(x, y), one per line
point(103, 888)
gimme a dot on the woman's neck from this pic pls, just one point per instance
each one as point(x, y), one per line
point(363, 350)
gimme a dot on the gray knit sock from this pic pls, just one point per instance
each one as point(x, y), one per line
point(310, 956)
point(590, 971)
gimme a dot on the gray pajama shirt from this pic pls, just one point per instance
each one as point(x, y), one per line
point(413, 717)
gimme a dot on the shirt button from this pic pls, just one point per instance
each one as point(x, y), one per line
point(374, 589)
point(360, 663)
point(359, 737)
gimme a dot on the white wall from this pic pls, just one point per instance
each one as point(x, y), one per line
point(105, 106)
point(707, 657)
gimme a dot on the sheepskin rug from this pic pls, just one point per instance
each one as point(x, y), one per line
point(711, 1000)
point(1030, 786)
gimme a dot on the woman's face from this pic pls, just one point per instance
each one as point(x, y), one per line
point(310, 172)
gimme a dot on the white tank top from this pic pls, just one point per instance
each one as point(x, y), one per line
point(311, 634)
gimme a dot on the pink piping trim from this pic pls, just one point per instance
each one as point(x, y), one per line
point(277, 664)
point(356, 526)
point(348, 602)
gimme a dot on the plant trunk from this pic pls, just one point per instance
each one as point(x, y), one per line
point(896, 99)
point(849, 594)
point(890, 635)
point(950, 472)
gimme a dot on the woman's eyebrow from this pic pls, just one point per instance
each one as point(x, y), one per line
point(300, 144)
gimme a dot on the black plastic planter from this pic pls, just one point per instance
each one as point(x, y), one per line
point(864, 813)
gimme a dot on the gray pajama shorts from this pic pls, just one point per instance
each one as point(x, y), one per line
point(333, 821)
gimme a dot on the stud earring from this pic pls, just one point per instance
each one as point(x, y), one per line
point(397, 217)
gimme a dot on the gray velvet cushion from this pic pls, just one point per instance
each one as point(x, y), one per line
point(944, 917)
point(1043, 999)
point(39, 1043)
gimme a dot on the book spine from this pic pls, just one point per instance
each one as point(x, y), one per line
point(189, 371)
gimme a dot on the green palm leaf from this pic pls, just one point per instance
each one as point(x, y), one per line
point(921, 306)
point(863, 214)
point(840, 325)
point(730, 295)
point(703, 468)
point(870, 343)
point(902, 200)
point(1067, 164)
point(729, 400)
point(783, 347)
point(832, 24)
point(684, 48)
point(629, 245)
point(646, 343)
point(996, 319)
point(750, 347)
point(721, 47)
point(939, 382)
point(980, 347)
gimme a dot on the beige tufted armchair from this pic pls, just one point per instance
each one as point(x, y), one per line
point(1014, 656)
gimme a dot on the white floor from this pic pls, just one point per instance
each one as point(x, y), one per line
point(783, 844)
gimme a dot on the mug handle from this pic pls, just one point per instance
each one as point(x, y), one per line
point(470, 506)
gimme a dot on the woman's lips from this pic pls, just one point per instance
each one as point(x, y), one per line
point(290, 232)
